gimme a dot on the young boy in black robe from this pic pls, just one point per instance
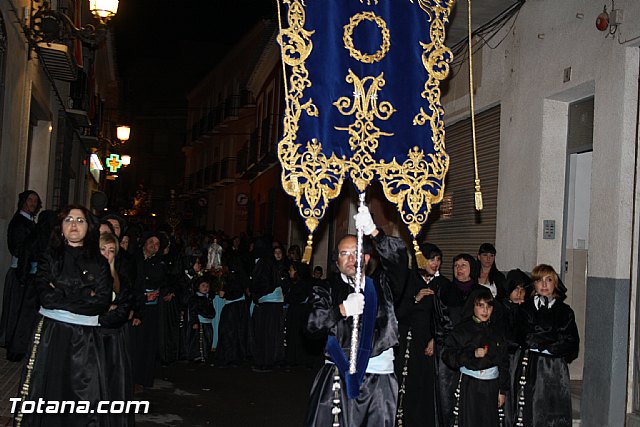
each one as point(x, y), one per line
point(201, 314)
point(477, 348)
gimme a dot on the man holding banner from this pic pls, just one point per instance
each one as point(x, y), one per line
point(367, 397)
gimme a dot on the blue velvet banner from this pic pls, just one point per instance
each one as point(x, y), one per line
point(363, 102)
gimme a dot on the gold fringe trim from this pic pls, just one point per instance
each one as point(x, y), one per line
point(24, 391)
point(308, 250)
point(420, 258)
point(478, 196)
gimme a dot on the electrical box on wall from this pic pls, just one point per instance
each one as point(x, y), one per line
point(615, 17)
point(549, 229)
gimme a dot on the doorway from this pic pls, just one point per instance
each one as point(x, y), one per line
point(576, 216)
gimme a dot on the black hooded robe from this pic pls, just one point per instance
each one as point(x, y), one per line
point(376, 404)
point(549, 339)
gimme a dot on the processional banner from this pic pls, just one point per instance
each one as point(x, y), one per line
point(362, 84)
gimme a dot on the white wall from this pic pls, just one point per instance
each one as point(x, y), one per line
point(524, 74)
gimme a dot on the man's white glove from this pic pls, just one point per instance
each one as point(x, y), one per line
point(354, 304)
point(364, 220)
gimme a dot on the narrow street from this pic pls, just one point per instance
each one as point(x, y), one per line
point(187, 394)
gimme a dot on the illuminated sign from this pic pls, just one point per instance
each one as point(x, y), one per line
point(95, 166)
point(114, 163)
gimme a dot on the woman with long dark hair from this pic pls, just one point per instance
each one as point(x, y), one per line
point(65, 358)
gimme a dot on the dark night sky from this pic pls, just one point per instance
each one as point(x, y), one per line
point(164, 47)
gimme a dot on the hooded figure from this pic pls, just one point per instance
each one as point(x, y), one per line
point(548, 335)
point(19, 231)
point(415, 363)
point(476, 348)
point(122, 223)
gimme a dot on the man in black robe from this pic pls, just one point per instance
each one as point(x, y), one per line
point(369, 396)
point(20, 227)
point(149, 286)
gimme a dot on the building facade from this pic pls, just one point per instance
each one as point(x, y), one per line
point(56, 99)
point(567, 162)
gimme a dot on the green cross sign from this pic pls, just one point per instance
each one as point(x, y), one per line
point(114, 163)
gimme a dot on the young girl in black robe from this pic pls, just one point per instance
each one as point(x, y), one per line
point(477, 348)
point(547, 332)
point(201, 314)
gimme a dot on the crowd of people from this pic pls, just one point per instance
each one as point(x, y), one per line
point(94, 305)
point(478, 350)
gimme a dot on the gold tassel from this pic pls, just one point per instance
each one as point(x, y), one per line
point(308, 250)
point(420, 258)
point(478, 196)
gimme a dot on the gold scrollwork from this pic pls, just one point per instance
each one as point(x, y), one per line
point(363, 132)
point(348, 37)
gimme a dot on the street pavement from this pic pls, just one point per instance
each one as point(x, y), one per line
point(189, 394)
point(200, 395)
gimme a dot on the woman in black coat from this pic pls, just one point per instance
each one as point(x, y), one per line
point(453, 297)
point(415, 361)
point(66, 358)
point(548, 335)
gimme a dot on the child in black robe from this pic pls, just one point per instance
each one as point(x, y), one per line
point(477, 348)
point(201, 314)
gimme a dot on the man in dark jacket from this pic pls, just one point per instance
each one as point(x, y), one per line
point(367, 397)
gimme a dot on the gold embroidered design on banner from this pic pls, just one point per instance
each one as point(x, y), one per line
point(310, 175)
point(363, 133)
point(384, 33)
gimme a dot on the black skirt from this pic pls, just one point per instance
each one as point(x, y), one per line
point(419, 397)
point(268, 334)
point(478, 402)
point(232, 334)
point(117, 371)
point(169, 331)
point(11, 302)
point(144, 347)
point(547, 391)
point(375, 406)
point(67, 365)
point(26, 315)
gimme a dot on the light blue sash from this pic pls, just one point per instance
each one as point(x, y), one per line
point(203, 319)
point(541, 352)
point(275, 296)
point(69, 317)
point(483, 374)
point(218, 304)
point(382, 363)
